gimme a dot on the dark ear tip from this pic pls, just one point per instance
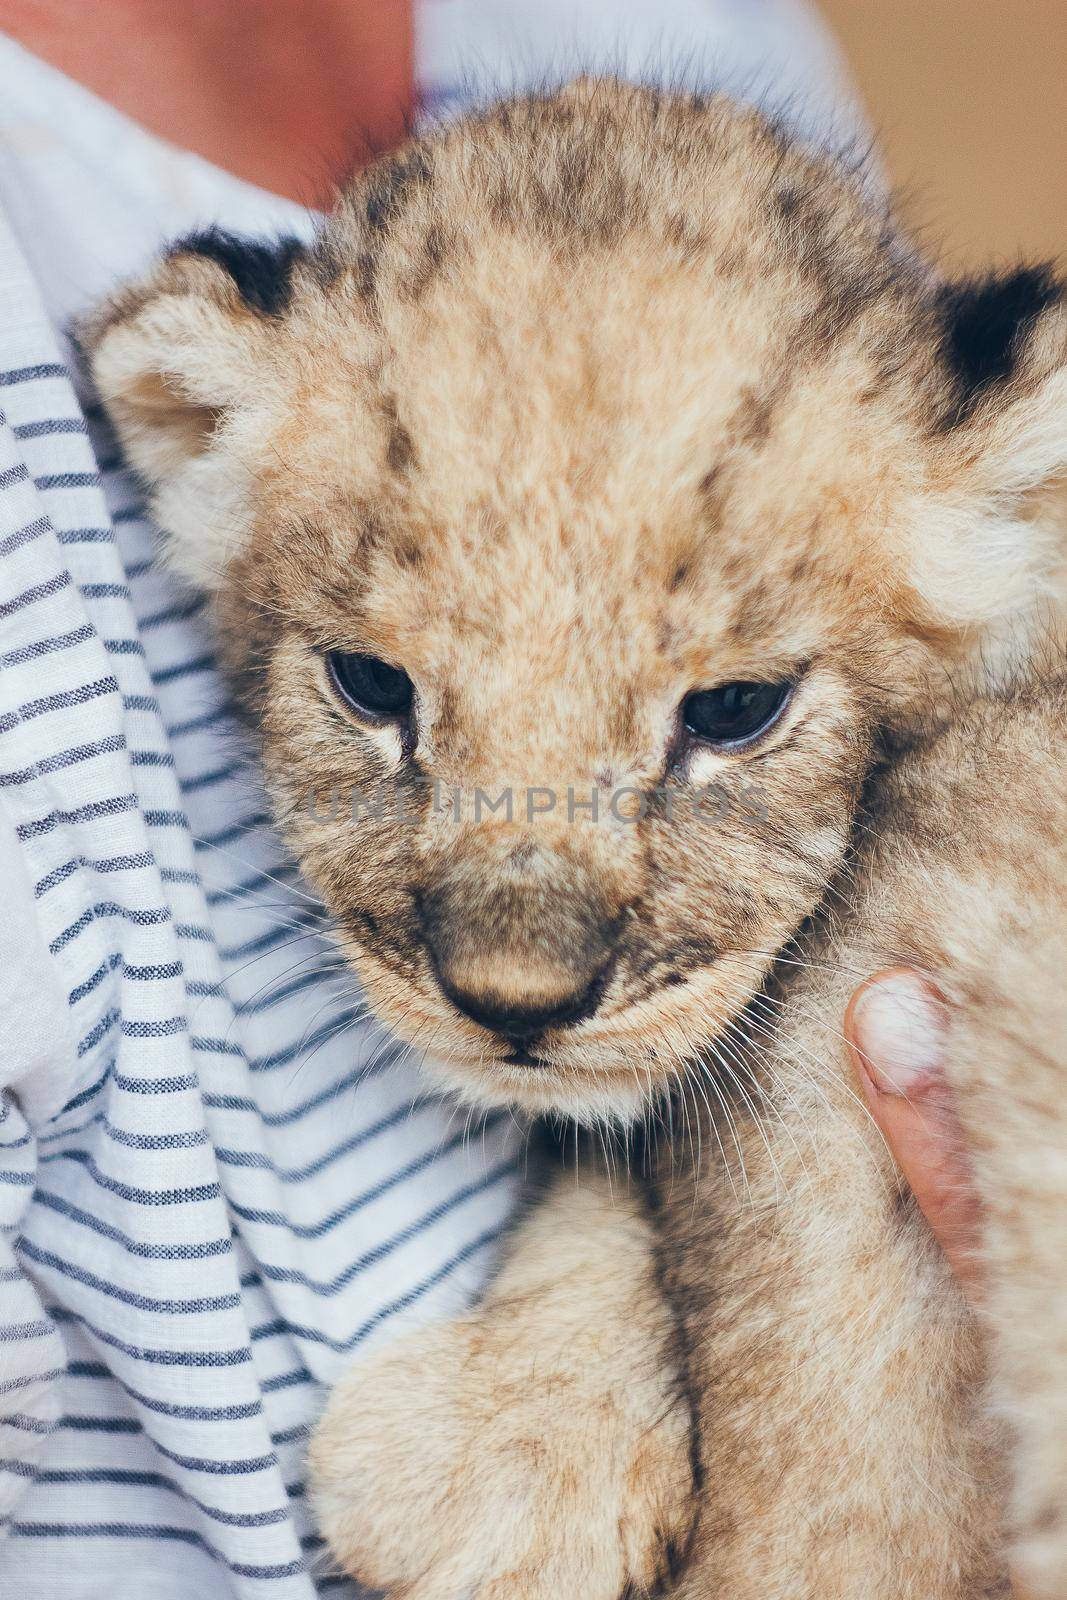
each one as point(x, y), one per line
point(262, 271)
point(984, 326)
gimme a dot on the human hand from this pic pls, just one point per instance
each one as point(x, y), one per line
point(895, 1027)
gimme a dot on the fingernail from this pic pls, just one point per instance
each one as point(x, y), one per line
point(899, 1027)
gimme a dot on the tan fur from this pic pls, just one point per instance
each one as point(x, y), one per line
point(544, 1452)
point(851, 1441)
point(576, 408)
point(843, 1386)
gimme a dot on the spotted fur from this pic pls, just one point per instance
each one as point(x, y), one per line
point(573, 408)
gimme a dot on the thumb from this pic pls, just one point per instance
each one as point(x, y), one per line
point(895, 1026)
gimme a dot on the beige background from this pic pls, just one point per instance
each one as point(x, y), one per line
point(969, 100)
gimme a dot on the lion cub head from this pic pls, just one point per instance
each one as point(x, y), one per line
point(582, 508)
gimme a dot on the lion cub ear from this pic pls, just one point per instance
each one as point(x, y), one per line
point(998, 438)
point(173, 358)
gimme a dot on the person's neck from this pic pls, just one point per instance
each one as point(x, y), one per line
point(288, 94)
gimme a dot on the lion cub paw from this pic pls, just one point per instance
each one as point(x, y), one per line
point(496, 1458)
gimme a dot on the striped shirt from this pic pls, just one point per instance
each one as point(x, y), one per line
point(219, 1179)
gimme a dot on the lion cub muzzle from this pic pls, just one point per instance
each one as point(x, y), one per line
point(521, 938)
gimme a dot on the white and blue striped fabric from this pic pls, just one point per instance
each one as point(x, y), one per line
point(218, 1182)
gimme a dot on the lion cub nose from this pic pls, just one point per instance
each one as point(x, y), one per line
point(521, 956)
point(519, 1020)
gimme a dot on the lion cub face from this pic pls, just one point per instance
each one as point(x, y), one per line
point(581, 507)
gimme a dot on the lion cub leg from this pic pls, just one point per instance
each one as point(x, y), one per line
point(539, 1447)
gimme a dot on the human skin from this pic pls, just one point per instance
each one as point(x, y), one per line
point(894, 1026)
point(291, 96)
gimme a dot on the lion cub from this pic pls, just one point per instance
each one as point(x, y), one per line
point(601, 508)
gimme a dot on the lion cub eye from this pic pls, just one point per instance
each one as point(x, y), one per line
point(734, 713)
point(371, 687)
